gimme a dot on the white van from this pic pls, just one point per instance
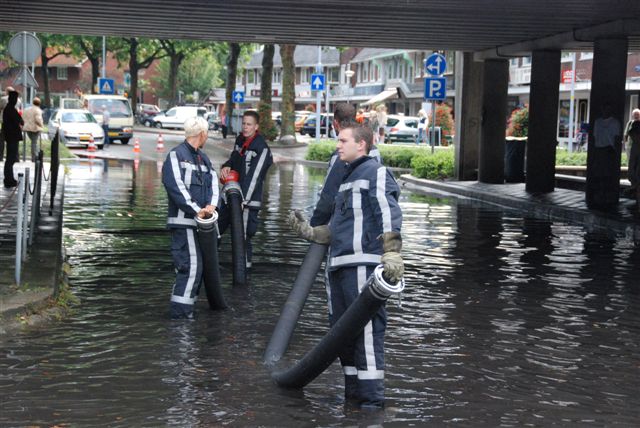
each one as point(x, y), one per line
point(121, 116)
point(175, 116)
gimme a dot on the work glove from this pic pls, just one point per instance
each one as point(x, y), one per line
point(300, 225)
point(393, 266)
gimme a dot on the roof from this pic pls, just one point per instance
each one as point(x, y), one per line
point(367, 54)
point(304, 56)
point(463, 25)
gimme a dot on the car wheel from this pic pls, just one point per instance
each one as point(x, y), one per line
point(100, 146)
point(147, 123)
point(124, 141)
point(158, 125)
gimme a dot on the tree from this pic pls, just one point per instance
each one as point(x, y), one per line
point(177, 51)
point(232, 72)
point(140, 53)
point(288, 91)
point(198, 72)
point(91, 48)
point(267, 127)
point(52, 46)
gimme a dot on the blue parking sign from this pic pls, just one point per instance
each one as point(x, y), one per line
point(435, 88)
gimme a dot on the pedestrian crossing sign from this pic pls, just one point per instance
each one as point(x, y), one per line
point(106, 86)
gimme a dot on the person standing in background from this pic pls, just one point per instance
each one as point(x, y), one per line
point(106, 118)
point(33, 125)
point(12, 134)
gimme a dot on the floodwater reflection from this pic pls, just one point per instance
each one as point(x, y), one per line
point(506, 321)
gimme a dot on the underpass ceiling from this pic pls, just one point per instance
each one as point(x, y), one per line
point(467, 25)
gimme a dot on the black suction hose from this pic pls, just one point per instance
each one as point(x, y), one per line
point(295, 302)
point(233, 195)
point(345, 330)
point(208, 239)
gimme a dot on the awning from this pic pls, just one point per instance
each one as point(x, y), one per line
point(387, 94)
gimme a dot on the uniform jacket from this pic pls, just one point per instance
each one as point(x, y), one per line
point(252, 165)
point(366, 206)
point(191, 184)
point(335, 174)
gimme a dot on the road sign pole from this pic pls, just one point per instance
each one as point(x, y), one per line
point(433, 127)
point(318, 95)
point(25, 90)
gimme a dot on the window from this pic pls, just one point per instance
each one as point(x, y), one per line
point(365, 72)
point(513, 62)
point(251, 76)
point(305, 75)
point(62, 73)
point(450, 57)
point(277, 76)
point(334, 75)
point(586, 56)
point(526, 61)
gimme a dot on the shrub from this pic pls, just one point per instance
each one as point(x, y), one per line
point(444, 119)
point(436, 166)
point(399, 157)
point(518, 125)
point(321, 151)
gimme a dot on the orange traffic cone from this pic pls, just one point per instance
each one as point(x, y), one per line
point(91, 147)
point(160, 144)
point(136, 146)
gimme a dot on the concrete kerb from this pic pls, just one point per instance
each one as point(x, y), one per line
point(539, 209)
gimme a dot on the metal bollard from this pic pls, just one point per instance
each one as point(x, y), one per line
point(19, 223)
point(25, 216)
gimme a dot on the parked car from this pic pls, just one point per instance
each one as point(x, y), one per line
point(175, 116)
point(145, 113)
point(401, 129)
point(76, 127)
point(309, 126)
point(301, 116)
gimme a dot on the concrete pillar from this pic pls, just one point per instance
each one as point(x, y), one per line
point(543, 121)
point(607, 88)
point(468, 115)
point(494, 120)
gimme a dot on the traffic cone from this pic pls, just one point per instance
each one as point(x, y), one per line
point(91, 147)
point(136, 145)
point(160, 144)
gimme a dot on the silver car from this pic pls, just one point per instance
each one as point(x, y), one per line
point(76, 128)
point(401, 129)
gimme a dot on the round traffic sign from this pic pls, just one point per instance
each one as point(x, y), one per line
point(435, 64)
point(24, 48)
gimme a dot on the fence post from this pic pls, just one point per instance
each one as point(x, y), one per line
point(19, 223)
point(25, 216)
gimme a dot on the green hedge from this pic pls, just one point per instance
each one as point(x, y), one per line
point(438, 165)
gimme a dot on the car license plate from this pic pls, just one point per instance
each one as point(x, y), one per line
point(84, 138)
point(113, 134)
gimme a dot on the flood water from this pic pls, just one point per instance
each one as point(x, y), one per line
point(506, 321)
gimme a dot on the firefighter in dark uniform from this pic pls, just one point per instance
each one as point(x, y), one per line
point(364, 231)
point(251, 158)
point(192, 188)
point(343, 114)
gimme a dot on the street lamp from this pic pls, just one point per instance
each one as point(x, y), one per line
point(349, 73)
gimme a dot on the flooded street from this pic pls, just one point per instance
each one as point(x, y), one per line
point(505, 321)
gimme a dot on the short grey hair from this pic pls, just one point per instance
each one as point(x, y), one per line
point(194, 126)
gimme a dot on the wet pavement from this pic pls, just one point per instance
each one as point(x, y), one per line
point(506, 321)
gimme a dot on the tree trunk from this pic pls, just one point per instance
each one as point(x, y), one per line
point(133, 71)
point(232, 71)
point(175, 59)
point(267, 127)
point(45, 76)
point(288, 91)
point(95, 72)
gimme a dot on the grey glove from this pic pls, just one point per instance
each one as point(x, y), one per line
point(391, 258)
point(300, 225)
